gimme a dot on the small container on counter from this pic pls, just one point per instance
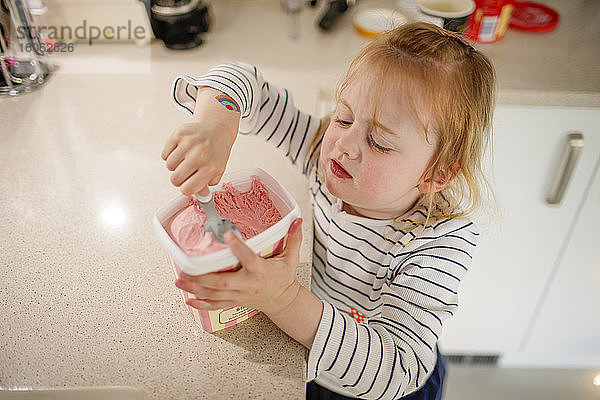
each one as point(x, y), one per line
point(372, 22)
point(453, 14)
point(268, 243)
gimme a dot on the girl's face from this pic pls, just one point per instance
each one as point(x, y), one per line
point(374, 166)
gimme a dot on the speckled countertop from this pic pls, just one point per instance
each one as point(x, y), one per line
point(86, 294)
point(87, 297)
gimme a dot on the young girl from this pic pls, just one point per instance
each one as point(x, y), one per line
point(392, 176)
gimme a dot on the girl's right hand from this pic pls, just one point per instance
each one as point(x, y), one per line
point(197, 155)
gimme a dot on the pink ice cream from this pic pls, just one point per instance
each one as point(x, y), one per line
point(252, 212)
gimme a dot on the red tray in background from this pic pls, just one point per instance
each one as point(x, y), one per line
point(533, 17)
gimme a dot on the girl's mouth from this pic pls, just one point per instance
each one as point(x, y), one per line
point(338, 170)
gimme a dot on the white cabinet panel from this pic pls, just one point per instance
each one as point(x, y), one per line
point(566, 332)
point(517, 250)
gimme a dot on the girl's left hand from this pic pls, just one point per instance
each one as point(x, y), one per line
point(266, 284)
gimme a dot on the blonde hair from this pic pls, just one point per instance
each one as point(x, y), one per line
point(452, 91)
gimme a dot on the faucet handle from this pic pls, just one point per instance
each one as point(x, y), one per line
point(293, 8)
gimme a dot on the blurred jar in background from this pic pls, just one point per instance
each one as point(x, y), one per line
point(490, 20)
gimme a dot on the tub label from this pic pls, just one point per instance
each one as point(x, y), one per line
point(231, 314)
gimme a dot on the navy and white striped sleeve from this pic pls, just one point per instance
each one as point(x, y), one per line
point(394, 353)
point(266, 110)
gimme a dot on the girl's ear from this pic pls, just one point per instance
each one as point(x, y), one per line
point(441, 179)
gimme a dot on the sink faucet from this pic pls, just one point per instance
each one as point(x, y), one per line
point(293, 7)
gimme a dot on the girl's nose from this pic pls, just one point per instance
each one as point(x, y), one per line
point(347, 143)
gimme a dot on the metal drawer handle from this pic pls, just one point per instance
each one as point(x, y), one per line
point(566, 166)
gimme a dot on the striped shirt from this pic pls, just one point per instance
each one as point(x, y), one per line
point(387, 286)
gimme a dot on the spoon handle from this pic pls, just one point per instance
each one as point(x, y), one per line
point(203, 199)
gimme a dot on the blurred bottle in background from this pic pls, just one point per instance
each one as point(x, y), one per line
point(490, 20)
point(180, 24)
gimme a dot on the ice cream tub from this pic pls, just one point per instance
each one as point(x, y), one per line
point(267, 243)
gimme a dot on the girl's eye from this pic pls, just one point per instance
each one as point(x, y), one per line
point(343, 123)
point(376, 146)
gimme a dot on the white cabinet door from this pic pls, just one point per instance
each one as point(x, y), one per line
point(518, 249)
point(566, 331)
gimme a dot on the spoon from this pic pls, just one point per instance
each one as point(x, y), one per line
point(214, 223)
